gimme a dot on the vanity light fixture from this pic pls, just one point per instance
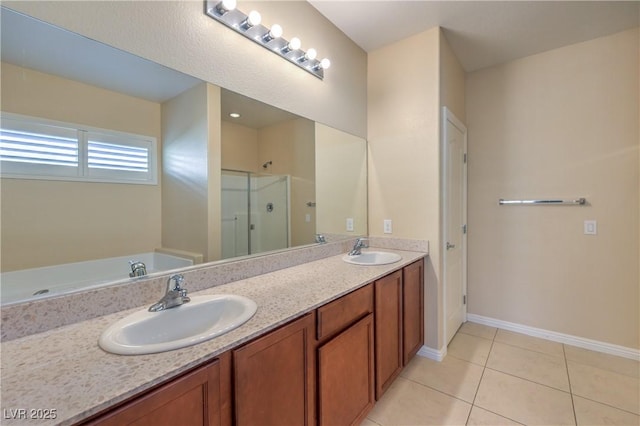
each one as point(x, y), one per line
point(250, 26)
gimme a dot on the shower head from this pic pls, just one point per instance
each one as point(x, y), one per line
point(267, 164)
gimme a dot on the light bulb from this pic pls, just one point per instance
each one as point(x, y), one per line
point(226, 5)
point(325, 63)
point(252, 20)
point(294, 44)
point(311, 54)
point(274, 32)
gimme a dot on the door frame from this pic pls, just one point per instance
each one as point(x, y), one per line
point(448, 116)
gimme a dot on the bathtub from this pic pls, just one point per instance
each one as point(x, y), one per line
point(30, 284)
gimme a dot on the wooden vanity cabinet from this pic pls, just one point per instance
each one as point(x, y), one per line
point(200, 397)
point(345, 359)
point(399, 322)
point(274, 377)
point(388, 326)
point(412, 310)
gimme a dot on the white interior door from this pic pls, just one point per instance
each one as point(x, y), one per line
point(455, 218)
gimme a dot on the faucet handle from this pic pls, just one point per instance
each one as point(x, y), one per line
point(179, 280)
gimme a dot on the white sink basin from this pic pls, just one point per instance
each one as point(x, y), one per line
point(201, 319)
point(372, 258)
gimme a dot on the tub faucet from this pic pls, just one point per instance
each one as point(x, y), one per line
point(360, 244)
point(174, 296)
point(138, 269)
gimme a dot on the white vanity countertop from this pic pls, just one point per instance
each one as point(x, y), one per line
point(65, 370)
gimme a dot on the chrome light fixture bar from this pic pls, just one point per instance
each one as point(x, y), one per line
point(249, 25)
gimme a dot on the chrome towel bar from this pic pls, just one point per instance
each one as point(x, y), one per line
point(577, 201)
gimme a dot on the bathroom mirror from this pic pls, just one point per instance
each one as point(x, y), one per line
point(53, 74)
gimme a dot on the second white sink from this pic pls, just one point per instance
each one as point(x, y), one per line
point(203, 318)
point(372, 258)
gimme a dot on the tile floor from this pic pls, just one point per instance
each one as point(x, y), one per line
point(496, 377)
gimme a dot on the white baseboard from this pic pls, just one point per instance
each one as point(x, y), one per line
point(580, 342)
point(434, 354)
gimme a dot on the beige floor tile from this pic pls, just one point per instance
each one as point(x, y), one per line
point(469, 348)
point(478, 330)
point(524, 401)
point(452, 376)
point(528, 342)
point(628, 367)
point(482, 417)
point(409, 403)
point(368, 422)
point(604, 386)
point(535, 366)
point(593, 413)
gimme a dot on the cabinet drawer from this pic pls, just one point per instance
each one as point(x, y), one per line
point(341, 313)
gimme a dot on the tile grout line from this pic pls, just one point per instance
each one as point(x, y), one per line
point(573, 404)
point(484, 368)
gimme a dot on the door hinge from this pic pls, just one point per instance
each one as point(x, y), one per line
point(464, 158)
point(464, 228)
point(464, 299)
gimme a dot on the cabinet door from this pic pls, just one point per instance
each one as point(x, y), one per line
point(274, 377)
point(201, 397)
point(388, 330)
point(412, 310)
point(346, 375)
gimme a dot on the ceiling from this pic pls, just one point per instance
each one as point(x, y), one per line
point(482, 33)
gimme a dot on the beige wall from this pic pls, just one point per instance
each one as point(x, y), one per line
point(189, 196)
point(291, 147)
point(563, 123)
point(403, 164)
point(239, 147)
point(341, 181)
point(52, 222)
point(179, 35)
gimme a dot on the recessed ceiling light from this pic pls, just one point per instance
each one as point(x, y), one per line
point(234, 115)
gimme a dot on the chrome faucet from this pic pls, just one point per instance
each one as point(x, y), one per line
point(138, 269)
point(320, 239)
point(360, 244)
point(174, 296)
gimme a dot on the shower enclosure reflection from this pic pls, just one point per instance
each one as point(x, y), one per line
point(255, 213)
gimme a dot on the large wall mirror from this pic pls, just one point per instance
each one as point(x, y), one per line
point(236, 177)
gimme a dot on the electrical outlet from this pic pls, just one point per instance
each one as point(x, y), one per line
point(388, 229)
point(349, 224)
point(307, 218)
point(590, 227)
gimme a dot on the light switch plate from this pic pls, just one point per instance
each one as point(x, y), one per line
point(590, 227)
point(388, 229)
point(349, 224)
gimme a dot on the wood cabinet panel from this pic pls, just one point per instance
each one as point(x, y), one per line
point(388, 330)
point(413, 310)
point(201, 397)
point(274, 377)
point(339, 314)
point(346, 376)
